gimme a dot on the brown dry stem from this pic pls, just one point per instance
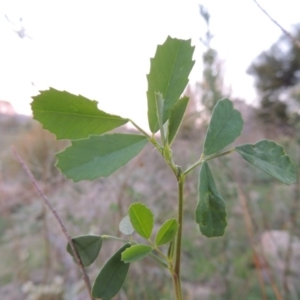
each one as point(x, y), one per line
point(59, 220)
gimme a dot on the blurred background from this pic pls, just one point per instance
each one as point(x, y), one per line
point(102, 51)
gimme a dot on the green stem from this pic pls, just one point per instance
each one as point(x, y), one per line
point(205, 158)
point(176, 274)
point(110, 237)
point(212, 156)
point(151, 139)
point(140, 129)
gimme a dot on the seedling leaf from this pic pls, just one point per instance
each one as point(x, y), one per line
point(225, 126)
point(270, 158)
point(70, 116)
point(99, 156)
point(142, 219)
point(210, 211)
point(176, 117)
point(167, 232)
point(111, 277)
point(136, 252)
point(88, 248)
point(168, 75)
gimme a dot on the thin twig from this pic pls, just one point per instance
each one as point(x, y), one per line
point(60, 222)
point(293, 39)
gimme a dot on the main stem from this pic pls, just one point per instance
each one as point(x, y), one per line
point(176, 273)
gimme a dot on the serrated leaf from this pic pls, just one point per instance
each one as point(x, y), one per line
point(70, 116)
point(210, 211)
point(142, 219)
point(99, 156)
point(225, 126)
point(136, 252)
point(88, 248)
point(111, 277)
point(168, 75)
point(176, 117)
point(166, 232)
point(125, 226)
point(270, 158)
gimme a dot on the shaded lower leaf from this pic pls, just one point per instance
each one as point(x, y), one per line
point(136, 252)
point(142, 219)
point(88, 248)
point(270, 158)
point(111, 277)
point(99, 156)
point(166, 232)
point(210, 211)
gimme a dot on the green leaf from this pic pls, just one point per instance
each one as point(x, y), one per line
point(125, 226)
point(159, 112)
point(142, 219)
point(72, 117)
point(176, 118)
point(135, 253)
point(111, 277)
point(167, 232)
point(270, 158)
point(88, 248)
point(168, 75)
point(99, 156)
point(225, 126)
point(210, 211)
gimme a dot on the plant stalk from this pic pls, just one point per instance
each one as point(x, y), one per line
point(177, 259)
point(59, 220)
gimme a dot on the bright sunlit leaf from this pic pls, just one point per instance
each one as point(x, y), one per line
point(210, 211)
point(71, 116)
point(166, 232)
point(142, 219)
point(270, 158)
point(225, 126)
point(168, 75)
point(99, 156)
point(136, 252)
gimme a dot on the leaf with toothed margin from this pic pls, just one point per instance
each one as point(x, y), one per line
point(225, 126)
point(142, 219)
point(166, 232)
point(99, 156)
point(270, 158)
point(168, 75)
point(70, 116)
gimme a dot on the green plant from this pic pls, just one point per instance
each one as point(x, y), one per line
point(94, 153)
